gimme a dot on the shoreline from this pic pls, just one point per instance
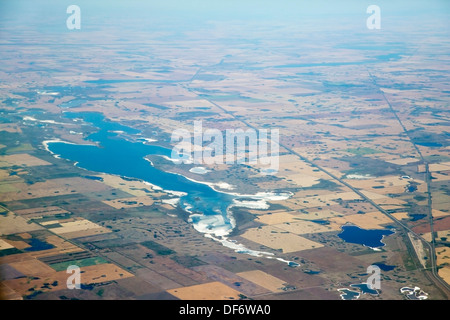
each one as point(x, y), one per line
point(222, 230)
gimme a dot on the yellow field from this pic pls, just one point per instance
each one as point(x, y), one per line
point(304, 227)
point(371, 220)
point(443, 256)
point(438, 213)
point(318, 215)
point(400, 215)
point(276, 238)
point(22, 159)
point(263, 279)
point(207, 291)
point(387, 181)
point(444, 273)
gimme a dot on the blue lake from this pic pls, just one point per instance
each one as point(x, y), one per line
point(370, 238)
point(384, 267)
point(347, 294)
point(118, 156)
point(365, 288)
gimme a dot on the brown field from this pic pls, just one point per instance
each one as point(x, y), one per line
point(23, 159)
point(332, 260)
point(276, 238)
point(53, 187)
point(440, 224)
point(263, 279)
point(207, 291)
point(40, 212)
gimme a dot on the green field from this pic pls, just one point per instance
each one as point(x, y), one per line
point(80, 263)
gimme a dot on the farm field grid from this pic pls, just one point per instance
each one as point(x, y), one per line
point(360, 182)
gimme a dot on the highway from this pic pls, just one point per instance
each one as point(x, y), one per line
point(445, 288)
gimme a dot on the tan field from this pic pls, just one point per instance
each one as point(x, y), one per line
point(277, 239)
point(318, 215)
point(23, 159)
point(91, 274)
point(371, 220)
point(403, 161)
point(135, 188)
point(276, 218)
point(130, 202)
point(264, 280)
point(444, 273)
point(79, 228)
point(6, 293)
point(207, 291)
point(18, 244)
point(433, 167)
point(301, 180)
point(33, 267)
point(12, 223)
point(387, 181)
point(5, 245)
point(441, 175)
